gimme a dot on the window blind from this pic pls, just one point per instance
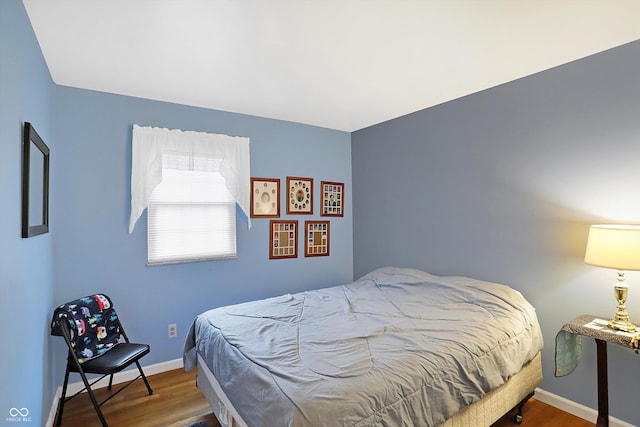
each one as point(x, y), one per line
point(191, 217)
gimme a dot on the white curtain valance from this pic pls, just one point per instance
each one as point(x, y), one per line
point(156, 148)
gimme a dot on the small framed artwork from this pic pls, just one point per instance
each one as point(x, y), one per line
point(316, 241)
point(299, 195)
point(283, 242)
point(265, 198)
point(332, 198)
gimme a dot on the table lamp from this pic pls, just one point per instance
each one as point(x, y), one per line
point(617, 247)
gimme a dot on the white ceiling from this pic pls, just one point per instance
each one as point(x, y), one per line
point(341, 64)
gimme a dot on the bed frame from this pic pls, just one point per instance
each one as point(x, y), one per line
point(493, 406)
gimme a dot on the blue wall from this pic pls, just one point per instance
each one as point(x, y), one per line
point(26, 280)
point(89, 248)
point(94, 252)
point(502, 185)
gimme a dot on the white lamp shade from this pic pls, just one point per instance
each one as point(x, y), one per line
point(614, 246)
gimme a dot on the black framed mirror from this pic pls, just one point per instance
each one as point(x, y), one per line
point(35, 183)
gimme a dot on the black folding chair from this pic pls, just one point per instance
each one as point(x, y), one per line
point(97, 344)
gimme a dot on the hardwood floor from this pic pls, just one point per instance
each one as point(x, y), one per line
point(538, 414)
point(176, 402)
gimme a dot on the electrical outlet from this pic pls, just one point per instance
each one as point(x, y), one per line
point(173, 330)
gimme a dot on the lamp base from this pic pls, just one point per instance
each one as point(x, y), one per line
point(620, 320)
point(621, 325)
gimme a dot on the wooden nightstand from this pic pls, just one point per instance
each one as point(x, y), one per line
point(596, 327)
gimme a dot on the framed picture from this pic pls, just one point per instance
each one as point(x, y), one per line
point(265, 198)
point(283, 240)
point(299, 195)
point(316, 240)
point(35, 183)
point(332, 198)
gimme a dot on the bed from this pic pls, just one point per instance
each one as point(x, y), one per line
point(395, 347)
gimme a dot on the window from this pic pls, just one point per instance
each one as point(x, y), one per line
point(191, 217)
point(190, 182)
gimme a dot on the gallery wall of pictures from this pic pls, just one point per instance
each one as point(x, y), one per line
point(298, 196)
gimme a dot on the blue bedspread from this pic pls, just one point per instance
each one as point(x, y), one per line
point(396, 347)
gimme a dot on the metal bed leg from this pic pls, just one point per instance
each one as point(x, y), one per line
point(517, 418)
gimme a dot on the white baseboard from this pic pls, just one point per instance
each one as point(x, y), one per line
point(118, 378)
point(576, 409)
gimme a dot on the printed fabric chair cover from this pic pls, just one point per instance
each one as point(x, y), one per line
point(93, 324)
